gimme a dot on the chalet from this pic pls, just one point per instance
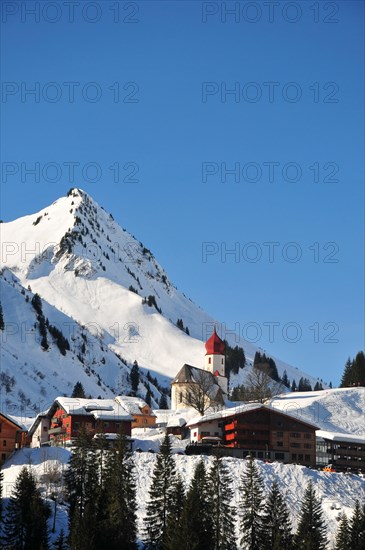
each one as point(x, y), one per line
point(211, 380)
point(346, 452)
point(261, 432)
point(12, 436)
point(143, 417)
point(67, 415)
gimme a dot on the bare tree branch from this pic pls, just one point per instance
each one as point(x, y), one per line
point(202, 392)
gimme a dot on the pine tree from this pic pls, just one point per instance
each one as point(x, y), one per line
point(177, 505)
point(359, 369)
point(252, 528)
point(346, 376)
point(160, 496)
point(285, 379)
point(277, 522)
point(2, 324)
point(221, 510)
point(311, 532)
point(135, 377)
point(194, 530)
point(294, 386)
point(25, 525)
point(120, 501)
point(362, 528)
point(83, 494)
point(357, 528)
point(78, 391)
point(148, 397)
point(354, 373)
point(163, 402)
point(343, 534)
point(60, 542)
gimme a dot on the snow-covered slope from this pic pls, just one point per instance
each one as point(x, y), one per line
point(31, 377)
point(84, 265)
point(339, 410)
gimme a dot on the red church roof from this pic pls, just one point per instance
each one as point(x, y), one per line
point(215, 346)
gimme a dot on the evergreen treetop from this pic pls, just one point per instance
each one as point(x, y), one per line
point(276, 522)
point(25, 525)
point(311, 532)
point(252, 528)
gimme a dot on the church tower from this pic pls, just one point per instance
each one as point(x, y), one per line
point(215, 360)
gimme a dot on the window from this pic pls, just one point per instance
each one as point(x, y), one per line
point(76, 425)
point(1, 427)
point(294, 457)
point(295, 445)
point(117, 425)
point(3, 456)
point(307, 446)
point(307, 436)
point(260, 454)
point(45, 429)
point(279, 456)
point(279, 444)
point(180, 397)
point(222, 361)
point(209, 360)
point(4, 443)
point(295, 434)
point(307, 458)
point(279, 434)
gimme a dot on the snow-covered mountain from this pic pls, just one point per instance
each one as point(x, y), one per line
point(99, 286)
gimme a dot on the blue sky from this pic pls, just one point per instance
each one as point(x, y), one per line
point(147, 116)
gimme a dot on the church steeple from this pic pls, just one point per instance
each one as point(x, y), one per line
point(214, 345)
point(215, 360)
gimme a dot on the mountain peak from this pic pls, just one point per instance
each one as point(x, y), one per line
point(78, 259)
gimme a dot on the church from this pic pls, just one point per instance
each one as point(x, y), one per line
point(208, 385)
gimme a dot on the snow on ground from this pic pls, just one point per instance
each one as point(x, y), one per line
point(337, 492)
point(336, 410)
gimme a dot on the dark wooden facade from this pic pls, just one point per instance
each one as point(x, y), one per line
point(269, 434)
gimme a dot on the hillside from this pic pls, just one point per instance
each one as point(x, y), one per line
point(93, 274)
point(338, 410)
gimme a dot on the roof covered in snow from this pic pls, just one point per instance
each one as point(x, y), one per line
point(241, 409)
point(133, 405)
point(190, 375)
point(14, 421)
point(100, 409)
point(337, 436)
